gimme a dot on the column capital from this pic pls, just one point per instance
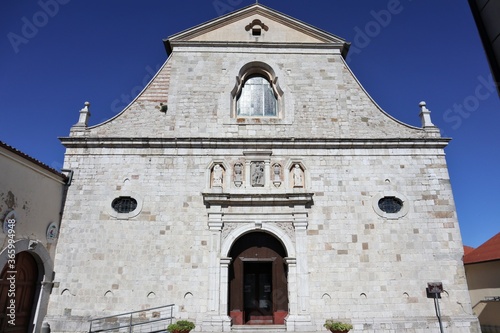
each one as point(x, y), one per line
point(225, 261)
point(300, 225)
point(215, 221)
point(215, 225)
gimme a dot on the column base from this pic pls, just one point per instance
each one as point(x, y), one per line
point(216, 323)
point(299, 323)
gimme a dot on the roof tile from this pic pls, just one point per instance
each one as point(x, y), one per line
point(488, 251)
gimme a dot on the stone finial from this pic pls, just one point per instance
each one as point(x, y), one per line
point(425, 115)
point(84, 116)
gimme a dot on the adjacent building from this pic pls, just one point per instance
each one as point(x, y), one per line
point(486, 15)
point(254, 182)
point(31, 203)
point(482, 268)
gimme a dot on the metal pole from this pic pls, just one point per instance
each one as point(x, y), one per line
point(130, 327)
point(438, 312)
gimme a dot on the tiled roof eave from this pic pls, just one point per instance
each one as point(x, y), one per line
point(32, 160)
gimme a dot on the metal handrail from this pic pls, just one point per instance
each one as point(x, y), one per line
point(104, 321)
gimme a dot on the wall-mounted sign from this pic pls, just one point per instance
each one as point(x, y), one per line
point(10, 222)
point(52, 231)
point(434, 289)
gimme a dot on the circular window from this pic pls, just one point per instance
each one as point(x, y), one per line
point(390, 205)
point(124, 205)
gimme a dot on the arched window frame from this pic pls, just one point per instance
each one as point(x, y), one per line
point(251, 70)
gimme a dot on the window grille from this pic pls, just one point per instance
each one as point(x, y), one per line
point(124, 205)
point(390, 205)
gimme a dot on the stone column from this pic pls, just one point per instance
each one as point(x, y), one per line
point(224, 287)
point(292, 285)
point(248, 176)
point(301, 320)
point(300, 225)
point(45, 290)
point(215, 226)
point(267, 173)
point(216, 319)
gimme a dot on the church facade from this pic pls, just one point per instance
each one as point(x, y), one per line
point(254, 182)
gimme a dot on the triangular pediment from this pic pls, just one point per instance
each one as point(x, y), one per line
point(257, 24)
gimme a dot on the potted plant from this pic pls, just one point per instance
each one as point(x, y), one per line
point(181, 326)
point(337, 326)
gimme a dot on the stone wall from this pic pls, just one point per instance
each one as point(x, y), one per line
point(321, 99)
point(361, 266)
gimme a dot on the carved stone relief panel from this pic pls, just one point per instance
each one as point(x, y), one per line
point(257, 170)
point(288, 228)
point(257, 174)
point(238, 174)
point(228, 228)
point(277, 174)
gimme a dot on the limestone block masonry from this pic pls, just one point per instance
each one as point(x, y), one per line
point(359, 205)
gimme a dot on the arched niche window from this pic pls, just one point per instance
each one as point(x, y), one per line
point(256, 98)
point(256, 93)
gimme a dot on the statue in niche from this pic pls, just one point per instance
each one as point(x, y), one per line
point(238, 174)
point(257, 172)
point(277, 175)
point(277, 172)
point(298, 178)
point(217, 176)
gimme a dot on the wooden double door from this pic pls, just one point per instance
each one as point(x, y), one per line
point(18, 294)
point(258, 281)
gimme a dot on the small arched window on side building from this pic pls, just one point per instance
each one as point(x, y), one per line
point(256, 93)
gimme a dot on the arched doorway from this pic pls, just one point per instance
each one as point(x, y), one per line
point(24, 294)
point(258, 292)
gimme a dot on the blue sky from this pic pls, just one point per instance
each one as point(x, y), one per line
point(57, 54)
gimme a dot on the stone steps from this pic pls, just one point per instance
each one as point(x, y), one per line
point(258, 329)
